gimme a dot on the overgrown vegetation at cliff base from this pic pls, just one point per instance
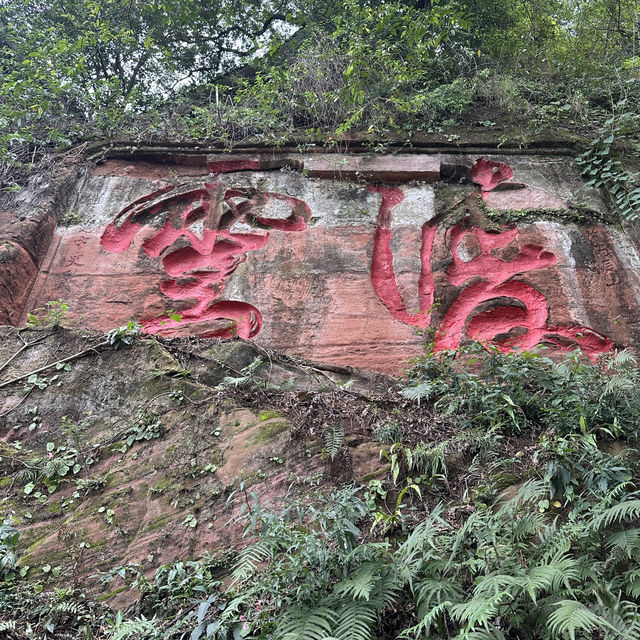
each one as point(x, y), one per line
point(512, 511)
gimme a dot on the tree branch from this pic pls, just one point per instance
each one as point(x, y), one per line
point(23, 348)
point(75, 356)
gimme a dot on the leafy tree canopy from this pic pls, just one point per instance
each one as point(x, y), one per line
point(227, 69)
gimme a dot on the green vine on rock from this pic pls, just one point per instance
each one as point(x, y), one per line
point(603, 169)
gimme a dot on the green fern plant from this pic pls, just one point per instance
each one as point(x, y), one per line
point(9, 537)
point(140, 628)
point(333, 439)
point(245, 377)
point(249, 559)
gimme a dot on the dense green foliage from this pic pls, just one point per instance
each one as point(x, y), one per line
point(517, 514)
point(224, 70)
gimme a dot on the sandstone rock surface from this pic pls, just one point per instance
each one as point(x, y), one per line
point(338, 258)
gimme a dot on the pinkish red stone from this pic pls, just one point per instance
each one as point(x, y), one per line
point(150, 170)
point(32, 234)
point(389, 169)
point(23, 245)
point(522, 199)
point(229, 162)
point(489, 173)
point(17, 275)
point(345, 294)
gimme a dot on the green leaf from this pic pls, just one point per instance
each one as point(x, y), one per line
point(571, 616)
point(307, 623)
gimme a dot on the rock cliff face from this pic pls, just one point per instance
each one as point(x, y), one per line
point(132, 455)
point(337, 258)
point(350, 260)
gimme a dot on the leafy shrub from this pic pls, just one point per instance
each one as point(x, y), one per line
point(515, 392)
point(124, 335)
point(53, 314)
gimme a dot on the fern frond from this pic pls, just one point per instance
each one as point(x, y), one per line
point(528, 524)
point(363, 552)
point(628, 540)
point(479, 610)
point(623, 615)
point(629, 613)
point(386, 592)
point(355, 620)
point(360, 584)
point(430, 460)
point(571, 616)
point(530, 492)
point(24, 476)
point(550, 577)
point(432, 592)
point(632, 587)
point(476, 520)
point(624, 358)
point(625, 374)
point(307, 623)
point(558, 540)
point(485, 634)
point(333, 439)
point(618, 384)
point(246, 377)
point(249, 559)
point(493, 584)
point(420, 547)
point(483, 441)
point(423, 628)
point(619, 512)
point(425, 390)
point(135, 629)
point(624, 377)
point(372, 581)
point(73, 608)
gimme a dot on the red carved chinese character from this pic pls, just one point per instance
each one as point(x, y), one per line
point(220, 227)
point(493, 306)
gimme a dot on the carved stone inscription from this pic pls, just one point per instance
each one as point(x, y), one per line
point(493, 305)
point(203, 232)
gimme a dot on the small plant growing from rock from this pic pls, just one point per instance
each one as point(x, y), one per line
point(147, 426)
point(124, 335)
point(9, 536)
point(53, 314)
point(75, 431)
